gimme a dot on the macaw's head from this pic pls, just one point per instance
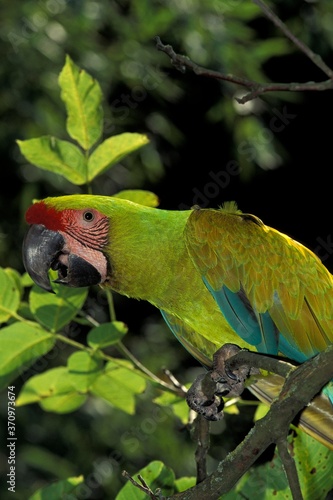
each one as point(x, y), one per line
point(69, 238)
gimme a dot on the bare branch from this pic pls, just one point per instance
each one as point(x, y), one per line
point(289, 468)
point(182, 63)
point(202, 437)
point(315, 58)
point(182, 389)
point(301, 385)
point(143, 486)
point(260, 361)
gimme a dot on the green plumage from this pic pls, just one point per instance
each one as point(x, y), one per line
point(218, 276)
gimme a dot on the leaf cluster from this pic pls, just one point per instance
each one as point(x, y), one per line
point(33, 321)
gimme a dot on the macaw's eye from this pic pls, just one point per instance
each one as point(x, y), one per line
point(88, 216)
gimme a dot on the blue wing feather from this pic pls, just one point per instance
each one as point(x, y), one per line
point(256, 329)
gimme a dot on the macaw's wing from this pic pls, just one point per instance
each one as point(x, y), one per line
point(274, 292)
point(197, 345)
point(316, 419)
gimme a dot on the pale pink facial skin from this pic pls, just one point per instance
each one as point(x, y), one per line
point(85, 232)
point(95, 257)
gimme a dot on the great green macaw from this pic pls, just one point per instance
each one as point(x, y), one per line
point(218, 276)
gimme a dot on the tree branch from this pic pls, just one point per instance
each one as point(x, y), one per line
point(289, 468)
point(260, 361)
point(202, 437)
point(315, 58)
point(182, 63)
point(301, 385)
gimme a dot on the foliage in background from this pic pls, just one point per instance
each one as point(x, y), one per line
point(34, 322)
point(114, 42)
point(32, 329)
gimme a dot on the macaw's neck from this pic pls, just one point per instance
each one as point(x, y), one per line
point(149, 261)
point(148, 256)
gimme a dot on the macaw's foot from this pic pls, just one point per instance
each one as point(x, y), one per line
point(205, 394)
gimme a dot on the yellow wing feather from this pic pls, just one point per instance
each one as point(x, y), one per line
point(278, 275)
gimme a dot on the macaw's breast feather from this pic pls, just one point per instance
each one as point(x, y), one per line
point(274, 292)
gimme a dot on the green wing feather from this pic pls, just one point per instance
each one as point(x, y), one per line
point(274, 292)
point(316, 419)
point(197, 345)
point(237, 255)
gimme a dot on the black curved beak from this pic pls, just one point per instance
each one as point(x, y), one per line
point(41, 247)
point(44, 249)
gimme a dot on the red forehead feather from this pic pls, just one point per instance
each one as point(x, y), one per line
point(40, 213)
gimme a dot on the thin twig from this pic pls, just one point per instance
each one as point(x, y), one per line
point(182, 63)
point(174, 381)
point(290, 468)
point(112, 311)
point(315, 58)
point(121, 348)
point(143, 486)
point(144, 371)
point(154, 378)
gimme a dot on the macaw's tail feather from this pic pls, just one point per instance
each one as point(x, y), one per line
point(316, 419)
point(328, 390)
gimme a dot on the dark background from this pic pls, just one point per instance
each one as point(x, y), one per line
point(284, 168)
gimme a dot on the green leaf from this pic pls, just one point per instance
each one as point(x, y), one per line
point(266, 49)
point(82, 96)
point(185, 483)
point(263, 482)
point(9, 295)
point(314, 463)
point(57, 490)
point(112, 150)
point(140, 196)
point(261, 411)
point(20, 346)
point(57, 156)
point(231, 406)
point(53, 390)
point(83, 370)
point(106, 334)
point(156, 475)
point(16, 277)
point(176, 403)
point(47, 461)
point(63, 403)
point(26, 281)
point(119, 385)
point(56, 310)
